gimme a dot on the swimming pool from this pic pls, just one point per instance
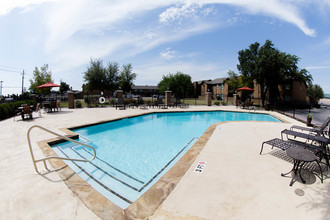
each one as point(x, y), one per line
point(133, 153)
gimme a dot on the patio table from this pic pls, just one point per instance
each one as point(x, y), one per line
point(300, 157)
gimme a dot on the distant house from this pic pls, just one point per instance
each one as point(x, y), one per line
point(217, 87)
point(144, 91)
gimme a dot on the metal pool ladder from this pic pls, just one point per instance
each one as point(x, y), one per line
point(53, 157)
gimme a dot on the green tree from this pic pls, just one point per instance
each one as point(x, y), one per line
point(112, 75)
point(315, 93)
point(64, 87)
point(270, 68)
point(180, 84)
point(234, 81)
point(126, 78)
point(95, 76)
point(40, 76)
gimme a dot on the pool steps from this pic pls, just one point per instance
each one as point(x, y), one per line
point(110, 179)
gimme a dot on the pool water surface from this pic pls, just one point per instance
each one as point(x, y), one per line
point(133, 153)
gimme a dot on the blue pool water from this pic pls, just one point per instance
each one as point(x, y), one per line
point(133, 153)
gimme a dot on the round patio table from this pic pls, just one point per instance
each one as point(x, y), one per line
point(300, 156)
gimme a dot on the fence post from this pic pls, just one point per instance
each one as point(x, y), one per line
point(208, 99)
point(294, 108)
point(70, 100)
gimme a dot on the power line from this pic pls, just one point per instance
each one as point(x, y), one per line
point(6, 70)
point(10, 67)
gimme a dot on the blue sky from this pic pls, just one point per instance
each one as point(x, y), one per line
point(199, 38)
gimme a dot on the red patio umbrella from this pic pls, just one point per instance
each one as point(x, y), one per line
point(245, 89)
point(48, 85)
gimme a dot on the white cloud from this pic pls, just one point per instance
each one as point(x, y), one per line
point(287, 11)
point(169, 54)
point(318, 67)
point(178, 12)
point(284, 10)
point(6, 6)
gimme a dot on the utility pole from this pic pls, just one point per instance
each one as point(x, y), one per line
point(23, 82)
point(1, 88)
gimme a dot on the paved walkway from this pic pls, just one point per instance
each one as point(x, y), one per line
point(319, 114)
point(237, 182)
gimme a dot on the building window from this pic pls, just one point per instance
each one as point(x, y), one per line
point(287, 86)
point(221, 86)
point(287, 98)
point(217, 87)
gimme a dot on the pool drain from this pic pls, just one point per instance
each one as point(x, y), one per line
point(299, 192)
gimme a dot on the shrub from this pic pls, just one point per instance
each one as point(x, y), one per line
point(217, 103)
point(8, 110)
point(91, 100)
point(223, 103)
point(78, 104)
point(112, 101)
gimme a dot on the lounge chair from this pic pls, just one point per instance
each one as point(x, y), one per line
point(120, 104)
point(180, 104)
point(26, 111)
point(284, 145)
point(248, 104)
point(53, 106)
point(143, 106)
point(305, 137)
point(160, 103)
point(317, 130)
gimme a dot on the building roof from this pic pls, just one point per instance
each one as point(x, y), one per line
point(202, 81)
point(218, 80)
point(145, 87)
point(212, 82)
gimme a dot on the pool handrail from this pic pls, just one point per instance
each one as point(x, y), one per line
point(54, 157)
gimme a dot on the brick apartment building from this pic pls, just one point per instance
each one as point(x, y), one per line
point(289, 92)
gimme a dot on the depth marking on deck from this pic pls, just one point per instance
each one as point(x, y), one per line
point(200, 167)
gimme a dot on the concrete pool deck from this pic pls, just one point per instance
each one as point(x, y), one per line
point(237, 182)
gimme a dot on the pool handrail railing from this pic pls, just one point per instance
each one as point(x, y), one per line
point(54, 157)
